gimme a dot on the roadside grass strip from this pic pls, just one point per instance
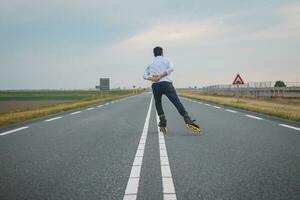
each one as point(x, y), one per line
point(291, 127)
point(134, 178)
point(167, 180)
point(52, 119)
point(14, 130)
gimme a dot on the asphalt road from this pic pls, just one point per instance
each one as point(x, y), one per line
point(114, 151)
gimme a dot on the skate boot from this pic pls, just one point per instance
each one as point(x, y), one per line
point(162, 124)
point(191, 124)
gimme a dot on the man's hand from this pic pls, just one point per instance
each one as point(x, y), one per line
point(155, 78)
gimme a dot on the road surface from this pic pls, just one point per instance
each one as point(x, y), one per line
point(114, 151)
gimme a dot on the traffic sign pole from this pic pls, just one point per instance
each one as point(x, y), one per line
point(238, 81)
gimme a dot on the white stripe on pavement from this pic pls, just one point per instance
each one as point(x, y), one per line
point(291, 127)
point(74, 113)
point(52, 119)
point(217, 107)
point(254, 117)
point(207, 104)
point(14, 130)
point(134, 178)
point(167, 180)
point(90, 108)
point(233, 111)
point(99, 106)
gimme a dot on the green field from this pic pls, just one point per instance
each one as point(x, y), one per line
point(55, 95)
point(81, 99)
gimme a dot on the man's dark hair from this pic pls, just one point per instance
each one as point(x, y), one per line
point(158, 51)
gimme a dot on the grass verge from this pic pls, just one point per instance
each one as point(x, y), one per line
point(23, 115)
point(278, 109)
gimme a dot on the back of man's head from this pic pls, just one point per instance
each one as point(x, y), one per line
point(158, 51)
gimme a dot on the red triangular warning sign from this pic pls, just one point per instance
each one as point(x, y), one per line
point(238, 80)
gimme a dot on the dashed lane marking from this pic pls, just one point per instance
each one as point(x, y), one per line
point(52, 119)
point(254, 117)
point(232, 111)
point(291, 127)
point(14, 130)
point(75, 113)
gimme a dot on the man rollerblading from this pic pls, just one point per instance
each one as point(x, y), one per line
point(159, 74)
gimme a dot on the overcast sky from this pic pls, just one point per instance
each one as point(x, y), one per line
point(70, 44)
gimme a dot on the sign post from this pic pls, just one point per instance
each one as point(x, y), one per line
point(238, 81)
point(134, 90)
point(104, 86)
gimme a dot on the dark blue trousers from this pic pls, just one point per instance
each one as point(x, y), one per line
point(166, 88)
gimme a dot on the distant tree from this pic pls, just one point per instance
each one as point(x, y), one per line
point(279, 84)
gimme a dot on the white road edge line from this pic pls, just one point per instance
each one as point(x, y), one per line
point(291, 127)
point(233, 111)
point(218, 107)
point(99, 106)
point(52, 119)
point(14, 130)
point(167, 180)
point(207, 104)
point(254, 117)
point(134, 178)
point(74, 113)
point(90, 108)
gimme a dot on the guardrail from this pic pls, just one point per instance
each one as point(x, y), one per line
point(256, 89)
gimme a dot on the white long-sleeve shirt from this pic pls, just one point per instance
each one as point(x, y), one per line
point(159, 65)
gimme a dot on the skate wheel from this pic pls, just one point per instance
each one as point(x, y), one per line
point(163, 130)
point(193, 128)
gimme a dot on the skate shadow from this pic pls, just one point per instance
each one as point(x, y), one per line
point(176, 134)
point(183, 134)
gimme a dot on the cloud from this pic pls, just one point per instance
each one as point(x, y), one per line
point(287, 28)
point(174, 32)
point(205, 50)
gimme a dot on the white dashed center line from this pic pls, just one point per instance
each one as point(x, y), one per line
point(134, 178)
point(217, 107)
point(14, 130)
point(52, 119)
point(167, 180)
point(291, 127)
point(90, 108)
point(254, 117)
point(207, 104)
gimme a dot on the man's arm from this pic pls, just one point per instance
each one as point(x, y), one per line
point(170, 69)
point(146, 75)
